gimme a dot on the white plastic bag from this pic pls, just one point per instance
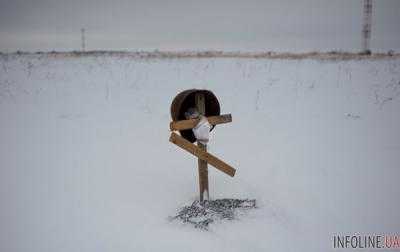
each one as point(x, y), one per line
point(202, 130)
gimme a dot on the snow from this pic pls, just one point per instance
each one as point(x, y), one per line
point(86, 164)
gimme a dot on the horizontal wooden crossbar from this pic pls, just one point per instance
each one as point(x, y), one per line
point(191, 123)
point(203, 155)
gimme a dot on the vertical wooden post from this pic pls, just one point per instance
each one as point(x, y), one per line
point(203, 170)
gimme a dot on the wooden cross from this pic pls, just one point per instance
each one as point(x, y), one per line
point(200, 151)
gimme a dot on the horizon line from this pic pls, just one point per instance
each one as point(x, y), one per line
point(332, 54)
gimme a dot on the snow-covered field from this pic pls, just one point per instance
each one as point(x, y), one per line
point(85, 162)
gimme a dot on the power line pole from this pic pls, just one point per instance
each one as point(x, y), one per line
point(83, 39)
point(367, 26)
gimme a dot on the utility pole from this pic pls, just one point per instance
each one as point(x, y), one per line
point(366, 32)
point(83, 39)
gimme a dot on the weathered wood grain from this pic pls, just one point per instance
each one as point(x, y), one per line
point(204, 155)
point(191, 123)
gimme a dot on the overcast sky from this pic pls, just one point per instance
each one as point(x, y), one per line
point(246, 25)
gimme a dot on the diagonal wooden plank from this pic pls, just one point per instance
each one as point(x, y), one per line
point(196, 151)
point(191, 123)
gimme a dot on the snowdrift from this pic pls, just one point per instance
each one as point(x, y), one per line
point(86, 164)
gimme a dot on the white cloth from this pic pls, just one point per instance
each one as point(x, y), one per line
point(202, 130)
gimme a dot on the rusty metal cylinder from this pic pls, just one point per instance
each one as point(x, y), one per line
point(185, 100)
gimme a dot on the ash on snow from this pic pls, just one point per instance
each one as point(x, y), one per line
point(201, 214)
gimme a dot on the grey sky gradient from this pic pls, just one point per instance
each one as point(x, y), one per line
point(303, 25)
